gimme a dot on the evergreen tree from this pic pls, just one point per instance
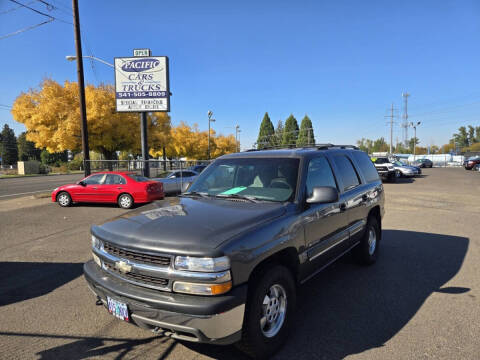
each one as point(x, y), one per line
point(8, 147)
point(306, 136)
point(265, 135)
point(290, 132)
point(279, 133)
point(27, 149)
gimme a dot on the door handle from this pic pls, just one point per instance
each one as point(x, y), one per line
point(119, 187)
point(95, 188)
point(343, 207)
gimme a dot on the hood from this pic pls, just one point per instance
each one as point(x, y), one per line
point(68, 186)
point(188, 226)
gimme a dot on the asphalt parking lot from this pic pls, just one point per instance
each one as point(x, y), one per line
point(421, 300)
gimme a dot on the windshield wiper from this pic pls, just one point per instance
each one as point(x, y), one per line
point(236, 196)
point(195, 193)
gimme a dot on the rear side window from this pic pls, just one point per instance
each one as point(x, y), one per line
point(366, 166)
point(113, 179)
point(346, 173)
point(138, 178)
point(319, 174)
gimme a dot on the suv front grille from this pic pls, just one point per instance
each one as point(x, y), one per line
point(135, 256)
point(138, 278)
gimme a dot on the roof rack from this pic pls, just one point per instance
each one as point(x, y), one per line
point(307, 146)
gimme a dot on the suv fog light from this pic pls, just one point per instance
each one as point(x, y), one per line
point(201, 289)
point(97, 260)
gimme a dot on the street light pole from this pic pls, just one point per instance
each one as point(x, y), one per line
point(81, 88)
point(414, 125)
point(237, 137)
point(210, 120)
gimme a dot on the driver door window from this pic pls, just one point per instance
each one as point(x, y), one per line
point(319, 174)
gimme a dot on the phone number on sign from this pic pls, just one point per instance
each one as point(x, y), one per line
point(141, 94)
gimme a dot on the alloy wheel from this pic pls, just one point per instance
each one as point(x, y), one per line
point(274, 309)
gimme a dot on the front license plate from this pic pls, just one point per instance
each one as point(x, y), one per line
point(118, 309)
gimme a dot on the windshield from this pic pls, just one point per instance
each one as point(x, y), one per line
point(399, 163)
point(264, 179)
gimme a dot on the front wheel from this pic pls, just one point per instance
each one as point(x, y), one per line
point(64, 199)
point(269, 313)
point(125, 201)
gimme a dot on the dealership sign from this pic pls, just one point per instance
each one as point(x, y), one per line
point(141, 84)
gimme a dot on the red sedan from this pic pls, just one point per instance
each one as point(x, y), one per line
point(123, 188)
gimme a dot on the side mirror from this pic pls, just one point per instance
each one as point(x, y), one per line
point(323, 194)
point(81, 182)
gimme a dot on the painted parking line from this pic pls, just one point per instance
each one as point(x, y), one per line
point(25, 193)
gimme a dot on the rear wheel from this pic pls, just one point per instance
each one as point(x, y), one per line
point(125, 201)
point(366, 252)
point(64, 199)
point(269, 313)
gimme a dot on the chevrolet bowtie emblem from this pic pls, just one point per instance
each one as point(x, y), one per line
point(123, 267)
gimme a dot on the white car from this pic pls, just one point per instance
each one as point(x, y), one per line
point(177, 181)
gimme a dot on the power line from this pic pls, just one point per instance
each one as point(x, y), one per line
point(25, 29)
point(40, 12)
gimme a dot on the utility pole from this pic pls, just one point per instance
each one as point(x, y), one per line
point(81, 88)
point(391, 128)
point(405, 96)
point(391, 122)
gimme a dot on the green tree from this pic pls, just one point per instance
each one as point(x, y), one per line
point(53, 158)
point(266, 133)
point(290, 132)
point(413, 142)
point(279, 133)
point(306, 135)
point(461, 138)
point(8, 147)
point(27, 149)
point(380, 145)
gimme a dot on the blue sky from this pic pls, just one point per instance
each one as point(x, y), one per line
point(341, 62)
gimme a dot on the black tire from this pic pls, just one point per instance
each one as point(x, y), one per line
point(392, 178)
point(363, 252)
point(125, 201)
point(64, 199)
point(254, 341)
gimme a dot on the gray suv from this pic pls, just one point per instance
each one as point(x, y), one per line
point(221, 263)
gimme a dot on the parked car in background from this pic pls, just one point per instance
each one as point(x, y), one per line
point(198, 168)
point(471, 163)
point(221, 264)
point(177, 181)
point(123, 188)
point(385, 168)
point(476, 167)
point(423, 163)
point(406, 170)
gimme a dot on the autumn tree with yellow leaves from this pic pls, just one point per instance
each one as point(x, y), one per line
point(51, 115)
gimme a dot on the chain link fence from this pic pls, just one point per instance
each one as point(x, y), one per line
point(158, 168)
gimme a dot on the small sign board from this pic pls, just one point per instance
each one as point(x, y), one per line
point(142, 84)
point(141, 52)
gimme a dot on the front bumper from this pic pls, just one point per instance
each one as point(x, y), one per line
point(209, 319)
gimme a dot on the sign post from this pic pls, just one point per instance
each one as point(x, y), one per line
point(142, 85)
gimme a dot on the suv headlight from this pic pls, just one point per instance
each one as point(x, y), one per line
point(390, 167)
point(202, 264)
